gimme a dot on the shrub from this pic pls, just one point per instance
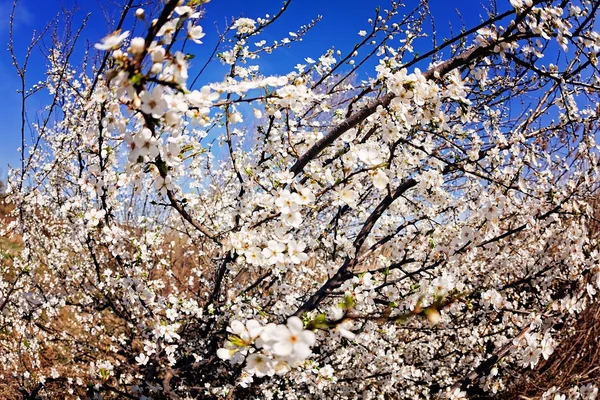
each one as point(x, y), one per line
point(416, 234)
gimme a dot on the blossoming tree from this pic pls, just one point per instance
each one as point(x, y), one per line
point(422, 233)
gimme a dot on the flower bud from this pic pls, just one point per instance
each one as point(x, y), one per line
point(433, 315)
point(137, 45)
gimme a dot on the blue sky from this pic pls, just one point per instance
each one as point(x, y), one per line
point(339, 27)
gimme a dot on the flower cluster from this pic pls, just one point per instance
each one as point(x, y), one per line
point(270, 349)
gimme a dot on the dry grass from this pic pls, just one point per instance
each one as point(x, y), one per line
point(9, 246)
point(576, 361)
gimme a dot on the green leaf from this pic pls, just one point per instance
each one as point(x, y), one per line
point(236, 341)
point(136, 79)
point(319, 322)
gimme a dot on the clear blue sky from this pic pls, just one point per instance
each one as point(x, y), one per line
point(339, 27)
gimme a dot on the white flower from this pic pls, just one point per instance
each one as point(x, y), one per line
point(142, 359)
point(348, 196)
point(195, 32)
point(490, 212)
point(380, 180)
point(273, 253)
point(547, 347)
point(531, 356)
point(54, 373)
point(492, 298)
point(234, 117)
point(281, 367)
point(203, 98)
point(370, 155)
point(232, 353)
point(247, 332)
point(244, 335)
point(142, 144)
point(253, 255)
point(94, 216)
point(295, 251)
point(431, 178)
point(176, 69)
point(362, 33)
point(305, 196)
point(112, 41)
point(153, 103)
point(167, 30)
point(589, 392)
point(168, 332)
point(290, 340)
point(456, 394)
point(342, 328)
point(157, 54)
point(293, 219)
point(104, 368)
point(467, 234)
point(284, 177)
point(186, 11)
point(516, 3)
point(259, 365)
point(171, 314)
point(285, 202)
point(244, 25)
point(171, 151)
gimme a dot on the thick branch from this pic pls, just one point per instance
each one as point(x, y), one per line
point(345, 273)
point(434, 73)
